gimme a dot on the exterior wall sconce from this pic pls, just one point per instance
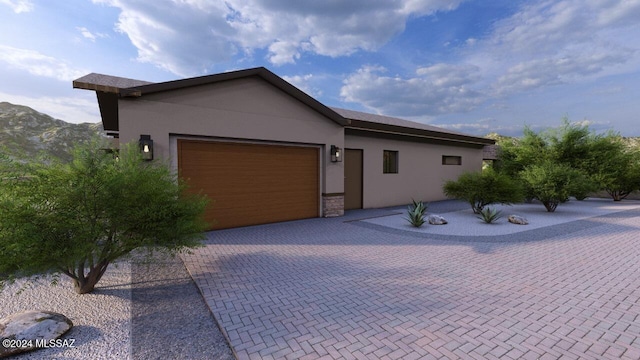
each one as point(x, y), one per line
point(336, 154)
point(146, 147)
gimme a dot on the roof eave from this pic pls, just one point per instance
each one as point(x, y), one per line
point(419, 133)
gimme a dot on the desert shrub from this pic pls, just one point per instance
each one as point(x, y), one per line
point(614, 166)
point(480, 189)
point(77, 218)
point(607, 161)
point(552, 183)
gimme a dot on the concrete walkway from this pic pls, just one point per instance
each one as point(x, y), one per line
point(343, 289)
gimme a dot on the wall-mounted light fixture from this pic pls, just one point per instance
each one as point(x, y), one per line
point(146, 147)
point(336, 154)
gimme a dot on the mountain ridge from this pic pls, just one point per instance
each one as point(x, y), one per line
point(26, 133)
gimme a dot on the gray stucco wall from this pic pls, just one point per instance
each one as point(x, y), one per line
point(248, 109)
point(421, 173)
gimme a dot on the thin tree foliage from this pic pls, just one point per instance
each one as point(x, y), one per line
point(77, 218)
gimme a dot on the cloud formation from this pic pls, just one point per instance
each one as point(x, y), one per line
point(39, 64)
point(437, 89)
point(543, 44)
point(188, 37)
point(19, 6)
point(90, 35)
point(304, 83)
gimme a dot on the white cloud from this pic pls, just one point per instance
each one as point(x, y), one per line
point(188, 37)
point(437, 89)
point(554, 71)
point(39, 64)
point(543, 44)
point(183, 37)
point(549, 43)
point(19, 6)
point(304, 83)
point(89, 35)
point(330, 28)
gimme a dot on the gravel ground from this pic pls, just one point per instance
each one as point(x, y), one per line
point(161, 315)
point(101, 320)
point(170, 319)
point(464, 223)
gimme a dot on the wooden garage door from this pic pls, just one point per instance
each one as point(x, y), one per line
point(251, 184)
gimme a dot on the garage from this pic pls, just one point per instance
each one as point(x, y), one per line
point(251, 184)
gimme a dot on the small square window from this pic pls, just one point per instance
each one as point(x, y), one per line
point(451, 160)
point(390, 162)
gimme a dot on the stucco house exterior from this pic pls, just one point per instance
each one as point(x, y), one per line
point(265, 151)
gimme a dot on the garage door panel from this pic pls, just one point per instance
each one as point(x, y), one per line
point(252, 184)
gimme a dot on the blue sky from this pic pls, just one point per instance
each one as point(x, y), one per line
point(472, 66)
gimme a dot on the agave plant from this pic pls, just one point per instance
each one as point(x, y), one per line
point(416, 213)
point(490, 215)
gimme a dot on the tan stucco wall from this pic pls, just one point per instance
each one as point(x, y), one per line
point(243, 109)
point(420, 171)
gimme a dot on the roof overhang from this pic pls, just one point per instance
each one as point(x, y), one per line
point(110, 88)
point(371, 128)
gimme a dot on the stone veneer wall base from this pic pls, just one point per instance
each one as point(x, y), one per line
point(332, 205)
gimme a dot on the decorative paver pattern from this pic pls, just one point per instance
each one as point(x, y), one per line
point(331, 289)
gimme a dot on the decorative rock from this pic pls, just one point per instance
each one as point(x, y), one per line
point(436, 220)
point(27, 330)
point(519, 220)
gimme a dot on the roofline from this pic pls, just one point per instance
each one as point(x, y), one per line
point(261, 72)
point(108, 94)
point(418, 133)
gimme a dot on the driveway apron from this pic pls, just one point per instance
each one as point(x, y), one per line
point(344, 289)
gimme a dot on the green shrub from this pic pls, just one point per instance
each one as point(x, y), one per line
point(552, 183)
point(480, 189)
point(615, 166)
point(76, 218)
point(583, 186)
point(416, 213)
point(490, 215)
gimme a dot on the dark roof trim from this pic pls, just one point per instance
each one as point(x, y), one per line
point(421, 133)
point(261, 72)
point(109, 88)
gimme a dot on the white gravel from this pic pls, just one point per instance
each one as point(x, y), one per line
point(466, 223)
point(142, 309)
point(101, 319)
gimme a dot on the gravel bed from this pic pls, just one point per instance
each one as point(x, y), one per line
point(139, 310)
point(101, 320)
point(170, 319)
point(465, 222)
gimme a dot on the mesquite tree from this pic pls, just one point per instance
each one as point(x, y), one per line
point(77, 218)
point(480, 189)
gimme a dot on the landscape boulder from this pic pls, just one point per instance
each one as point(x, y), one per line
point(519, 220)
point(26, 330)
point(436, 220)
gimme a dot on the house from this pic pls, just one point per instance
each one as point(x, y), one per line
point(264, 151)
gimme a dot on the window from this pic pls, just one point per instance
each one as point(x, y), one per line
point(390, 162)
point(451, 160)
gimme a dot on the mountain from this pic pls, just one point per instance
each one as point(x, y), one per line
point(25, 133)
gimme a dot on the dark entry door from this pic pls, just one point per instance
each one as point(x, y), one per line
point(352, 179)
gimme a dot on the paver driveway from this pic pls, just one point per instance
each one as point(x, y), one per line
point(340, 288)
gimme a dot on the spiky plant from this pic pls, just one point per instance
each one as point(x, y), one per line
point(490, 215)
point(416, 213)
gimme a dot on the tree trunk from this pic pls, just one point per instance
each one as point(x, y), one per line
point(86, 284)
point(550, 205)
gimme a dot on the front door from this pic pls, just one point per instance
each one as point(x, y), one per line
point(352, 179)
